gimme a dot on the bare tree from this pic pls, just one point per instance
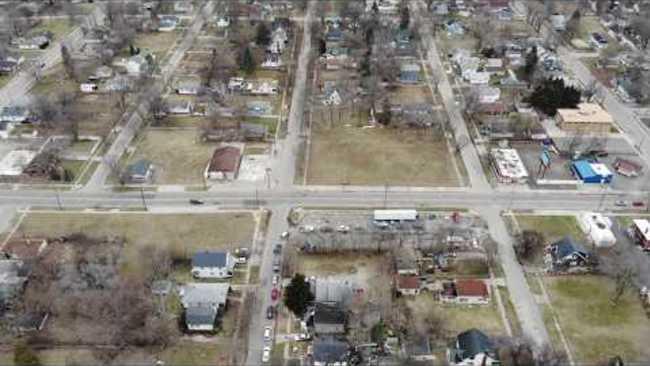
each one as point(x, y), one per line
point(68, 63)
point(624, 281)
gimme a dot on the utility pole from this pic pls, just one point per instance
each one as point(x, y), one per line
point(58, 200)
point(385, 194)
point(144, 203)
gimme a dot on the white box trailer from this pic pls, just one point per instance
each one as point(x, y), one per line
point(395, 215)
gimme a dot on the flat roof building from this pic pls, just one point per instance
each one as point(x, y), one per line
point(588, 117)
point(395, 215)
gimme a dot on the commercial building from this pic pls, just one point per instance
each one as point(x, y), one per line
point(641, 230)
point(587, 118)
point(224, 164)
point(395, 215)
point(589, 172)
point(508, 166)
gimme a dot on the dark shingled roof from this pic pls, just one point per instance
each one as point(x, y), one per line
point(209, 259)
point(328, 314)
point(200, 315)
point(330, 350)
point(473, 342)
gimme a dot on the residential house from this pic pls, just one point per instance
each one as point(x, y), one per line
point(407, 285)
point(586, 118)
point(5, 129)
point(329, 318)
point(167, 23)
point(641, 231)
point(565, 254)
point(88, 87)
point(211, 264)
point(488, 94)
point(558, 22)
point(471, 348)
point(406, 262)
point(13, 275)
point(183, 6)
point(493, 65)
point(329, 351)
point(223, 21)
point(254, 131)
point(330, 290)
point(8, 66)
point(334, 35)
point(188, 87)
point(224, 164)
point(271, 61)
point(203, 303)
point(279, 39)
point(30, 322)
point(627, 168)
point(134, 65)
point(418, 349)
point(409, 73)
point(139, 172)
point(14, 114)
point(33, 43)
point(179, 107)
point(261, 87)
point(472, 292)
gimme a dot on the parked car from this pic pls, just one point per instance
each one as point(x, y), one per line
point(276, 264)
point(194, 201)
point(306, 229)
point(638, 204)
point(276, 280)
point(270, 311)
point(620, 203)
point(277, 249)
point(343, 228)
point(268, 331)
point(266, 354)
point(275, 293)
point(284, 235)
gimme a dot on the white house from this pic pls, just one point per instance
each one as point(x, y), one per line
point(213, 264)
point(488, 94)
point(598, 228)
point(203, 303)
point(223, 22)
point(88, 87)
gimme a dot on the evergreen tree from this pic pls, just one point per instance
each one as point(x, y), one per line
point(553, 94)
point(531, 64)
point(405, 18)
point(248, 62)
point(263, 35)
point(298, 295)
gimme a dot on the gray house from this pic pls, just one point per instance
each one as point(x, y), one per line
point(203, 303)
point(210, 264)
point(566, 254)
point(472, 347)
point(139, 172)
point(330, 352)
point(329, 318)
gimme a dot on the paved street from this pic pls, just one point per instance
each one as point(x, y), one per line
point(135, 120)
point(283, 194)
point(468, 153)
point(16, 91)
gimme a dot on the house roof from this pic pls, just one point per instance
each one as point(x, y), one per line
point(210, 259)
point(585, 113)
point(200, 315)
point(328, 314)
point(225, 159)
point(329, 350)
point(407, 282)
point(472, 342)
point(471, 288)
point(203, 294)
point(643, 227)
point(624, 164)
point(566, 246)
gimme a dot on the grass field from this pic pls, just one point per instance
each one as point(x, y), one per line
point(379, 156)
point(553, 227)
point(157, 43)
point(458, 318)
point(4, 79)
point(184, 166)
point(55, 81)
point(182, 233)
point(594, 327)
point(59, 27)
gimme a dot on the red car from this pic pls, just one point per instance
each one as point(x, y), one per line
point(637, 204)
point(275, 293)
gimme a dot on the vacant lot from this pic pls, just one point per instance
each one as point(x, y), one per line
point(182, 233)
point(457, 319)
point(185, 165)
point(595, 329)
point(157, 43)
point(553, 227)
point(411, 94)
point(59, 27)
point(379, 156)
